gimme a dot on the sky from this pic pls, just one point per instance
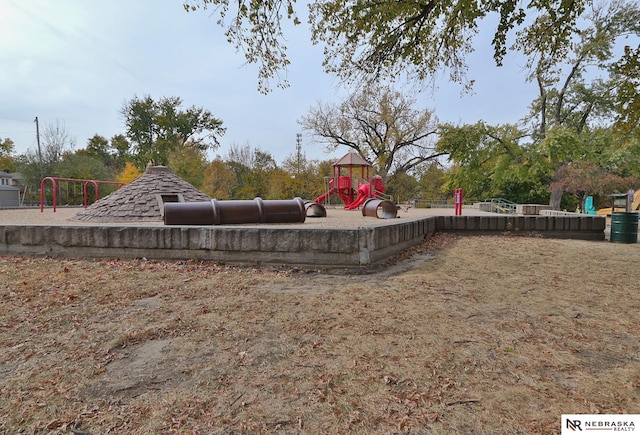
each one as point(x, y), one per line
point(76, 63)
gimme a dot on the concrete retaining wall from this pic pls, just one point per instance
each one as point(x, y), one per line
point(531, 209)
point(359, 247)
point(583, 227)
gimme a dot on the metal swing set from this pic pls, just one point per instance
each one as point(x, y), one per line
point(55, 186)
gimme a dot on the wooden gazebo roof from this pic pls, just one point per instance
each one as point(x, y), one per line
point(351, 159)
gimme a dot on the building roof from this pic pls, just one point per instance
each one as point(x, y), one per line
point(143, 199)
point(351, 159)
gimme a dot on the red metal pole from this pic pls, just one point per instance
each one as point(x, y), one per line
point(54, 187)
point(458, 210)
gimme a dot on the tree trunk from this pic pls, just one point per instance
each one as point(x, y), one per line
point(556, 197)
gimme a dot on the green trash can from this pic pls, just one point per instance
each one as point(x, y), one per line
point(624, 227)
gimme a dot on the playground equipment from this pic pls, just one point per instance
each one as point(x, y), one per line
point(382, 209)
point(589, 208)
point(313, 209)
point(363, 195)
point(216, 212)
point(624, 202)
point(351, 182)
point(85, 183)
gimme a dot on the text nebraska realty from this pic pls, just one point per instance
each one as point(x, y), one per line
point(615, 426)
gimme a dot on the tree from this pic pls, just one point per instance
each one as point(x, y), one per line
point(381, 125)
point(129, 173)
point(368, 39)
point(258, 180)
point(298, 177)
point(7, 162)
point(99, 148)
point(491, 161)
point(253, 169)
point(504, 162)
point(35, 165)
point(120, 146)
point(55, 141)
point(402, 187)
point(627, 97)
point(82, 166)
point(219, 180)
point(579, 84)
point(431, 180)
point(577, 80)
point(188, 163)
point(584, 178)
point(155, 128)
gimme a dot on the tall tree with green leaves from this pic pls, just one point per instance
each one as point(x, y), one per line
point(253, 168)
point(431, 180)
point(578, 80)
point(83, 166)
point(120, 148)
point(627, 94)
point(156, 128)
point(98, 147)
point(366, 39)
point(189, 163)
point(491, 161)
point(402, 187)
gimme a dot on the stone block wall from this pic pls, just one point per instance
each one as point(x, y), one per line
point(318, 248)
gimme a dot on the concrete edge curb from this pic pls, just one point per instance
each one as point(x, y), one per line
point(363, 247)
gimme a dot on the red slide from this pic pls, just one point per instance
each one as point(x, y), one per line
point(325, 195)
point(363, 195)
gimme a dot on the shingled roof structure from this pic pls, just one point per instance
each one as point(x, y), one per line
point(143, 199)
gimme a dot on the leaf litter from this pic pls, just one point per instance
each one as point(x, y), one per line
point(482, 334)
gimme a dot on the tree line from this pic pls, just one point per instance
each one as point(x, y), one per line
point(161, 132)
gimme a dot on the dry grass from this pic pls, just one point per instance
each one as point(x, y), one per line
point(471, 335)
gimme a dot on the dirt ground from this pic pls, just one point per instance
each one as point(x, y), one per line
point(461, 335)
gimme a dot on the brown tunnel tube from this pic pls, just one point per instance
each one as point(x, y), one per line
point(382, 209)
point(216, 212)
point(313, 209)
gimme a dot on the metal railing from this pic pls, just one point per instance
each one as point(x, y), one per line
point(501, 205)
point(433, 203)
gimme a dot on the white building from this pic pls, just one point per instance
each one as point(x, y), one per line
point(9, 190)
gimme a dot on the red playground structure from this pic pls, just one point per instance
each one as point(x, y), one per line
point(351, 182)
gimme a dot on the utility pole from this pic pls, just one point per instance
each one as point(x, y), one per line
point(38, 140)
point(298, 152)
